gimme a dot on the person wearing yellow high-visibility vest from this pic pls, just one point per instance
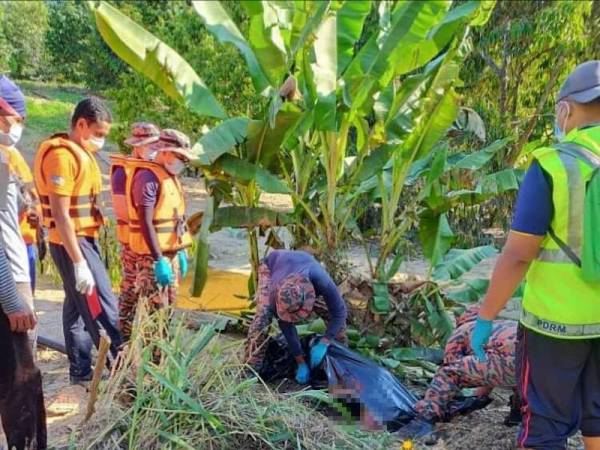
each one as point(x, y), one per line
point(157, 231)
point(69, 183)
point(558, 350)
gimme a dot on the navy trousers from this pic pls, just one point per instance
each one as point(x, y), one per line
point(80, 330)
point(559, 382)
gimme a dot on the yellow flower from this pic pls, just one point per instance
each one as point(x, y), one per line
point(407, 445)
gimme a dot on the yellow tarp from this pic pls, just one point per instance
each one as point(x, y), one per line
point(224, 291)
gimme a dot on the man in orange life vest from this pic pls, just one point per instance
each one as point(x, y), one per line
point(69, 183)
point(157, 228)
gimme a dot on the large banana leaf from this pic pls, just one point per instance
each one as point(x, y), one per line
point(398, 49)
point(476, 160)
point(420, 45)
point(307, 17)
point(362, 75)
point(245, 172)
point(153, 58)
point(264, 141)
point(499, 182)
point(266, 39)
point(350, 19)
point(471, 291)
point(220, 140)
point(324, 71)
point(374, 163)
point(436, 236)
point(218, 22)
point(247, 217)
point(202, 251)
point(457, 262)
point(398, 112)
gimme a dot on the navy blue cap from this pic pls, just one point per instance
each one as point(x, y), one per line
point(13, 95)
point(583, 84)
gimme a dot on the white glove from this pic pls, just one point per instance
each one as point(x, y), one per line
point(84, 280)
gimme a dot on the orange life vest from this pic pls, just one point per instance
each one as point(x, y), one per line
point(119, 199)
point(169, 212)
point(18, 166)
point(29, 231)
point(84, 210)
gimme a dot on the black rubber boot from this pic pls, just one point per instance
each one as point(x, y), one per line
point(514, 417)
point(418, 430)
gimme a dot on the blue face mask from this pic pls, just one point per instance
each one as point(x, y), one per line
point(559, 134)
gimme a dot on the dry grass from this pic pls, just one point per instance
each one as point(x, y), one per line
point(201, 397)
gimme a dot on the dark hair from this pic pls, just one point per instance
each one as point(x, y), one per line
point(93, 110)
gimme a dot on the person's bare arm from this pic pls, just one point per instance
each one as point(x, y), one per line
point(512, 265)
point(59, 204)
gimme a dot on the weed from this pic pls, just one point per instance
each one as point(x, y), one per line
point(202, 396)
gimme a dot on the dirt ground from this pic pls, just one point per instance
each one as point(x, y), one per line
point(66, 404)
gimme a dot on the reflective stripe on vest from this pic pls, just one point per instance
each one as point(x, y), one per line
point(544, 326)
point(576, 188)
point(169, 212)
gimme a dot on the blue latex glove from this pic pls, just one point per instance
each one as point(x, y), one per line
point(302, 374)
point(163, 272)
point(183, 263)
point(481, 336)
point(317, 353)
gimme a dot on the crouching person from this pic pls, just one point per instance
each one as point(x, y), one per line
point(21, 397)
point(158, 235)
point(461, 369)
point(289, 283)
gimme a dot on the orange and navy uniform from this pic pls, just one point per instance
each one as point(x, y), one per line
point(64, 168)
point(169, 212)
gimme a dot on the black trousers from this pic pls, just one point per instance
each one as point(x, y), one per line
point(80, 330)
point(559, 380)
point(21, 396)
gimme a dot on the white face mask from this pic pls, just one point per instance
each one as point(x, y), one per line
point(96, 143)
point(146, 153)
point(175, 167)
point(13, 136)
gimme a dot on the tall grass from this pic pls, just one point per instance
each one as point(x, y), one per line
point(201, 397)
point(109, 252)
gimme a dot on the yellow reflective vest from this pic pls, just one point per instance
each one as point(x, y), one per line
point(557, 301)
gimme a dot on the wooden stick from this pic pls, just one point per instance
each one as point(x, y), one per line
point(100, 364)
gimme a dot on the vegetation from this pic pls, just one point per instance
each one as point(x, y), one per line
point(410, 135)
point(202, 397)
point(320, 100)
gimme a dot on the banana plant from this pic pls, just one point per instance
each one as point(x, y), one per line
point(238, 150)
point(327, 69)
